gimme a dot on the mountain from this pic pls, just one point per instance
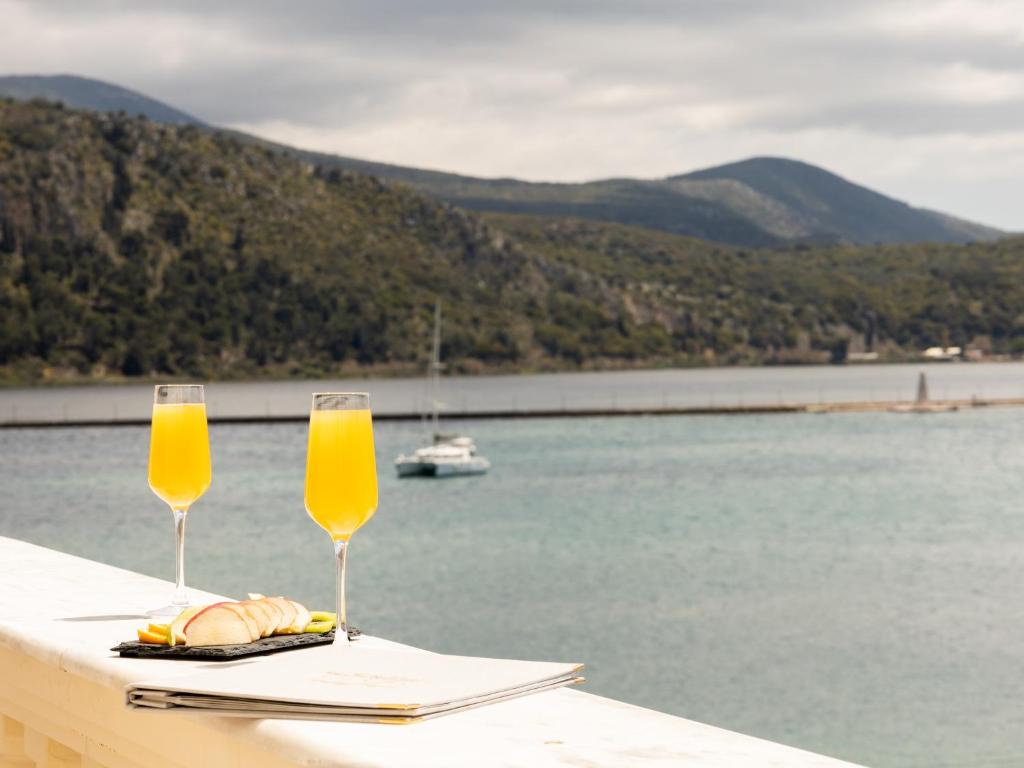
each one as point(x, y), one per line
point(817, 204)
point(86, 93)
point(129, 247)
point(760, 202)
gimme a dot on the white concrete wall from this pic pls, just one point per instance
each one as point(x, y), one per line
point(62, 701)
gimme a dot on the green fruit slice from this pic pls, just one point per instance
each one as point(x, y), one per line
point(320, 627)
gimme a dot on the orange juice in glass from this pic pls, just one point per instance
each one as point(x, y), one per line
point(341, 477)
point(179, 466)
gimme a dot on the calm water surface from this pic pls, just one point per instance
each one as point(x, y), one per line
point(692, 387)
point(848, 583)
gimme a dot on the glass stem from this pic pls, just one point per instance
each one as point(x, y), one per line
point(180, 598)
point(341, 632)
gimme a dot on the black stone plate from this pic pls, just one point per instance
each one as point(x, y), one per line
point(137, 650)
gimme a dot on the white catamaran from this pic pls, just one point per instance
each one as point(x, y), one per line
point(448, 455)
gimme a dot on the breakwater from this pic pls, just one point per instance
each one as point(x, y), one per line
point(896, 406)
point(629, 393)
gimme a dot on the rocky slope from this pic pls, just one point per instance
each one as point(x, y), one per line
point(129, 247)
point(760, 202)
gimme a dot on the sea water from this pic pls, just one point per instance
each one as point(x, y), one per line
point(597, 390)
point(846, 583)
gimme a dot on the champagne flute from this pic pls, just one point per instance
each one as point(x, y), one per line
point(179, 467)
point(341, 477)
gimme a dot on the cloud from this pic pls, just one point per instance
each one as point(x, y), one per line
point(921, 99)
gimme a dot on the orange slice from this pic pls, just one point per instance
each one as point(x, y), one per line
point(145, 636)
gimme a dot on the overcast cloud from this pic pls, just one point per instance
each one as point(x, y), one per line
point(922, 100)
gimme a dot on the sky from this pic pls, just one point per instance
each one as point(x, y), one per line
point(922, 100)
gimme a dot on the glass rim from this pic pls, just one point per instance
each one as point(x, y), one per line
point(340, 401)
point(179, 394)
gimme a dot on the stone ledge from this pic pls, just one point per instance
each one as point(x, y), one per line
point(62, 700)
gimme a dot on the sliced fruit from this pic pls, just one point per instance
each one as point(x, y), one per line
point(276, 614)
point(244, 615)
point(288, 611)
point(302, 618)
point(202, 609)
point(265, 620)
point(319, 627)
point(145, 636)
point(217, 625)
point(276, 608)
point(176, 630)
point(233, 623)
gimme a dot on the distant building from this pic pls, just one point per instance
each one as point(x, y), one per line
point(942, 353)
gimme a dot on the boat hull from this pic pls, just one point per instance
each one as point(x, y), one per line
point(414, 468)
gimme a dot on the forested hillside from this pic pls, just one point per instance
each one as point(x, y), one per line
point(764, 202)
point(759, 202)
point(133, 248)
point(788, 303)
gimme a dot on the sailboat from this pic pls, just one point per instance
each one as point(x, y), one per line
point(447, 455)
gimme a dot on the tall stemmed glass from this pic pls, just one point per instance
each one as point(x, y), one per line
point(179, 467)
point(341, 477)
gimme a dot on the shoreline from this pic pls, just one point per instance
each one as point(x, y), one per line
point(863, 406)
point(400, 372)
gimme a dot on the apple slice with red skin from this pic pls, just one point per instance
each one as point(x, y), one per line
point(288, 614)
point(276, 614)
point(302, 619)
point(275, 611)
point(202, 609)
point(271, 615)
point(265, 620)
point(258, 616)
point(248, 618)
point(217, 624)
point(176, 631)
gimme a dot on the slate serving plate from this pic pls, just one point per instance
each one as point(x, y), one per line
point(275, 644)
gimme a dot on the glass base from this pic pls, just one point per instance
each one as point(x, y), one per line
point(167, 611)
point(341, 639)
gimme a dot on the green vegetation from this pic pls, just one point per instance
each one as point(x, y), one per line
point(131, 248)
point(760, 202)
point(798, 304)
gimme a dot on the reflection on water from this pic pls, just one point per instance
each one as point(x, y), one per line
point(848, 583)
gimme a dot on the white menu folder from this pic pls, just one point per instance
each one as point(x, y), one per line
point(356, 684)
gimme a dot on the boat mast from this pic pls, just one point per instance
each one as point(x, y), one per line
point(435, 367)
